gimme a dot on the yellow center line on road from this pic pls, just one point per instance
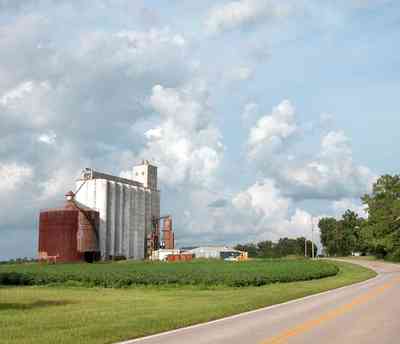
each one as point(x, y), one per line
point(310, 324)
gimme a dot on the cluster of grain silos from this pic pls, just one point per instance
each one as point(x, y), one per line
point(128, 214)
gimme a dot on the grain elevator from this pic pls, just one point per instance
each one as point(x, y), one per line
point(129, 209)
point(107, 217)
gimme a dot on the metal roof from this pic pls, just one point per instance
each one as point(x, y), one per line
point(89, 173)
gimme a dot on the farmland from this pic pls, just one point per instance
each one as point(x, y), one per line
point(61, 314)
point(199, 273)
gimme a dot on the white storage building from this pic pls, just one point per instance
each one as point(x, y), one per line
point(210, 251)
point(126, 206)
point(162, 254)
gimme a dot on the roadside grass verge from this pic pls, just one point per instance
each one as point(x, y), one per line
point(360, 258)
point(374, 258)
point(99, 315)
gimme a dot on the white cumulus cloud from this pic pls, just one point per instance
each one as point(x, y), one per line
point(185, 144)
point(354, 204)
point(250, 112)
point(233, 14)
point(16, 93)
point(272, 131)
point(48, 138)
point(265, 199)
point(13, 175)
point(332, 174)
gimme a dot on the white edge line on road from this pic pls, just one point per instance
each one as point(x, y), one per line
point(359, 284)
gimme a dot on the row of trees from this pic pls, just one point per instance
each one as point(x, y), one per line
point(378, 234)
point(342, 237)
point(19, 260)
point(284, 247)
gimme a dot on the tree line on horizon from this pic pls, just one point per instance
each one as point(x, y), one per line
point(283, 248)
point(378, 234)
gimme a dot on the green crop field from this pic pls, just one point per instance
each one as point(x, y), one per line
point(201, 272)
point(71, 315)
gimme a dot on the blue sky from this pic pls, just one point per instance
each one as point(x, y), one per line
point(259, 113)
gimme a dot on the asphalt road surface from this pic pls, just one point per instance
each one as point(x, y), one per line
point(367, 313)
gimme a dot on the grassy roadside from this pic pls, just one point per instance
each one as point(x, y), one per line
point(361, 258)
point(371, 258)
point(96, 315)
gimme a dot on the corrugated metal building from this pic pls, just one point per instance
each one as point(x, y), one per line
point(209, 251)
point(126, 207)
point(216, 252)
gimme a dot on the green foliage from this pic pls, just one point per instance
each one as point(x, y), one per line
point(394, 256)
point(378, 235)
point(342, 237)
point(329, 234)
point(283, 248)
point(251, 249)
point(383, 228)
point(205, 273)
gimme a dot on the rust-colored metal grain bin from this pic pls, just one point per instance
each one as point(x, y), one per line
point(57, 235)
point(168, 234)
point(87, 236)
point(88, 221)
point(68, 234)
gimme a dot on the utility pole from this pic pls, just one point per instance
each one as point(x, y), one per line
point(305, 246)
point(312, 237)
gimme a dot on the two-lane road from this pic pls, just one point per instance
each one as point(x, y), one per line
point(365, 313)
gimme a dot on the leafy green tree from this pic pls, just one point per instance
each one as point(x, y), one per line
point(329, 235)
point(341, 237)
point(382, 231)
point(266, 249)
point(284, 247)
point(251, 249)
point(351, 226)
point(309, 248)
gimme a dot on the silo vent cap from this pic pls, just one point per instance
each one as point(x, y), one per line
point(69, 196)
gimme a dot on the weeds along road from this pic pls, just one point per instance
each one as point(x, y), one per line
point(366, 313)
